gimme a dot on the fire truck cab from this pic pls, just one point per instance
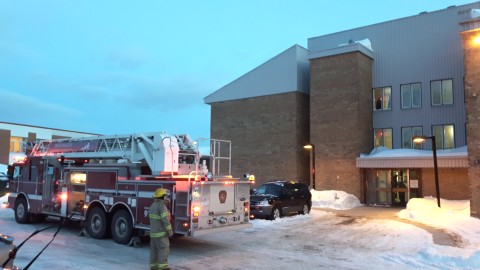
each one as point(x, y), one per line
point(107, 183)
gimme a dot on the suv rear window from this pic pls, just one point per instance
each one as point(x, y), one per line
point(269, 189)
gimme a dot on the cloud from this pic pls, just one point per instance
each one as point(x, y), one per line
point(128, 58)
point(18, 51)
point(164, 96)
point(154, 93)
point(30, 110)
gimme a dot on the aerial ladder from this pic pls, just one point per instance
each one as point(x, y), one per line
point(164, 153)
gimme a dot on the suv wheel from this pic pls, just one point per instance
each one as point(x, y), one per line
point(276, 213)
point(305, 209)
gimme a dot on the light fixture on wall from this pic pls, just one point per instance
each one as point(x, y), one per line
point(420, 139)
point(476, 40)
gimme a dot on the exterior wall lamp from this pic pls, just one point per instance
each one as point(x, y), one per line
point(311, 147)
point(420, 139)
point(476, 40)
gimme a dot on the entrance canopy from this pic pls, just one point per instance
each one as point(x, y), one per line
point(382, 157)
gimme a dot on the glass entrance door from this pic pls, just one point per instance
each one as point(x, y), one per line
point(392, 187)
point(399, 187)
point(379, 189)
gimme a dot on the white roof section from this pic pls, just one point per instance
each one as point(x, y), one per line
point(42, 133)
point(382, 157)
point(289, 71)
point(364, 46)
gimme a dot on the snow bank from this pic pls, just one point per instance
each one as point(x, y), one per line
point(3, 199)
point(334, 199)
point(453, 216)
point(427, 210)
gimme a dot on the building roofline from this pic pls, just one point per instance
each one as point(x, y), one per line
point(251, 71)
point(356, 47)
point(395, 20)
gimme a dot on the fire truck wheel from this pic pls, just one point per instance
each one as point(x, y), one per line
point(122, 229)
point(97, 223)
point(21, 211)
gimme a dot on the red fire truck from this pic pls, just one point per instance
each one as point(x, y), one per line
point(107, 183)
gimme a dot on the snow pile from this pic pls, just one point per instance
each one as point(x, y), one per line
point(364, 42)
point(383, 152)
point(4, 199)
point(452, 216)
point(426, 209)
point(334, 199)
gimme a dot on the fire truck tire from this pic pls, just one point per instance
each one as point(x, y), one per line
point(97, 223)
point(21, 211)
point(122, 228)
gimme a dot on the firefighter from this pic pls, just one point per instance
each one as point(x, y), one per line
point(160, 231)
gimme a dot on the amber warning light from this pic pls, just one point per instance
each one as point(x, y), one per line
point(64, 196)
point(196, 210)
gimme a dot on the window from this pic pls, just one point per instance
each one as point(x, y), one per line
point(78, 180)
point(444, 136)
point(382, 99)
point(407, 134)
point(442, 92)
point(411, 95)
point(16, 144)
point(383, 137)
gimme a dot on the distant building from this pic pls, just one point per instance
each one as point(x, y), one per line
point(15, 137)
point(359, 96)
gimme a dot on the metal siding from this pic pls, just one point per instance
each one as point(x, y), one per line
point(420, 48)
point(278, 75)
point(303, 70)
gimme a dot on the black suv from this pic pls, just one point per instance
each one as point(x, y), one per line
point(3, 184)
point(278, 198)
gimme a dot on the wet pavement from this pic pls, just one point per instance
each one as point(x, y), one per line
point(440, 236)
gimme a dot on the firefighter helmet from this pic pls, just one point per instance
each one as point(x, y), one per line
point(160, 192)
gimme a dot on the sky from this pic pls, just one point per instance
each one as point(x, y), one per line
point(119, 67)
point(318, 240)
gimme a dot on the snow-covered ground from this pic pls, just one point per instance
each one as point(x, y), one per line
point(319, 240)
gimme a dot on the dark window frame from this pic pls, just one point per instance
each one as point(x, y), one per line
point(383, 137)
point(441, 141)
point(442, 103)
point(411, 105)
point(379, 104)
point(412, 145)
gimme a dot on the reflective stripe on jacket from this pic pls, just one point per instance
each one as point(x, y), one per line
point(159, 224)
point(158, 266)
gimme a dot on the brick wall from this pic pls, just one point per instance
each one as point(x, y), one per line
point(341, 119)
point(31, 137)
point(453, 182)
point(4, 146)
point(267, 134)
point(472, 107)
